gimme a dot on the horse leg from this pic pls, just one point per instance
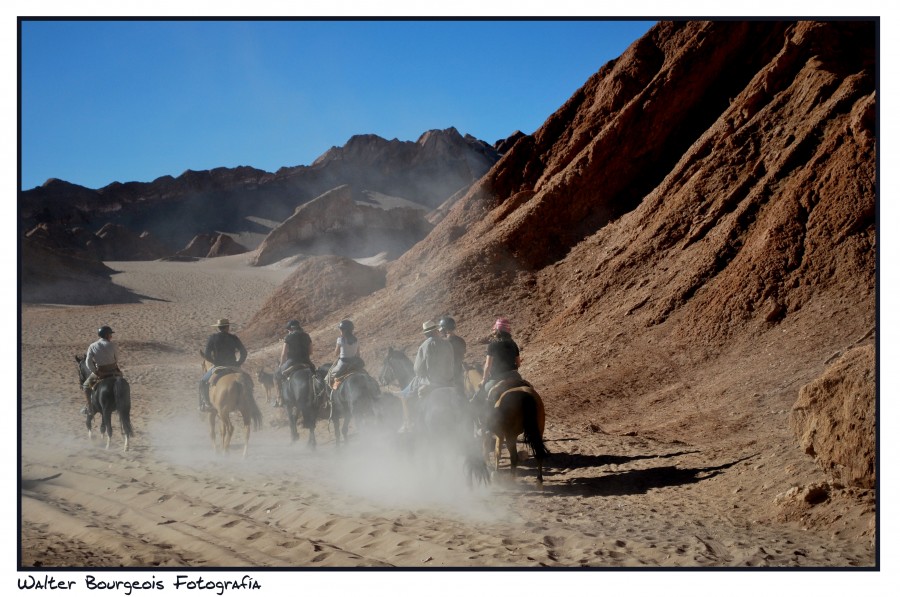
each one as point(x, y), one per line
point(346, 427)
point(246, 436)
point(212, 429)
point(227, 432)
point(107, 424)
point(292, 423)
point(513, 453)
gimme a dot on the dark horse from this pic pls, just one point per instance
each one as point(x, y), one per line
point(396, 368)
point(300, 399)
point(110, 394)
point(444, 423)
point(354, 399)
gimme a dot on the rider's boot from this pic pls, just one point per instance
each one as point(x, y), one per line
point(87, 409)
point(205, 405)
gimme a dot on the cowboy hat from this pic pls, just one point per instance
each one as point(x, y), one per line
point(220, 323)
point(429, 326)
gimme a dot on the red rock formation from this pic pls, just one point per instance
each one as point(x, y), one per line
point(834, 419)
point(682, 244)
point(318, 286)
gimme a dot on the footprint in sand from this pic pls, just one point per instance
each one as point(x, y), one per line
point(228, 525)
point(327, 525)
point(254, 536)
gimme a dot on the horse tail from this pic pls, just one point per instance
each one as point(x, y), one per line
point(256, 416)
point(122, 393)
point(532, 431)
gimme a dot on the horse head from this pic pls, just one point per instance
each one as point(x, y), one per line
point(82, 369)
point(387, 374)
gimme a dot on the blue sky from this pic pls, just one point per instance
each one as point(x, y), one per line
point(105, 101)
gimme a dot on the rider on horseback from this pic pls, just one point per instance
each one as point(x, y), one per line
point(346, 353)
point(502, 360)
point(294, 353)
point(447, 327)
point(102, 360)
point(220, 351)
point(434, 366)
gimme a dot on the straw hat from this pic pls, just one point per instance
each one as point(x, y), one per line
point(222, 322)
point(429, 326)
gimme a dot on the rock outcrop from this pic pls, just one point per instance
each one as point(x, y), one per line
point(317, 287)
point(834, 419)
point(338, 223)
point(210, 245)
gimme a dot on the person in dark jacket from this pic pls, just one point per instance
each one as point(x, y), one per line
point(296, 349)
point(223, 349)
point(502, 360)
point(447, 327)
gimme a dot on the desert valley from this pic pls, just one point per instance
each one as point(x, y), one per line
point(686, 250)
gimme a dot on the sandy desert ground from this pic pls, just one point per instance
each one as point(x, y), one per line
point(608, 501)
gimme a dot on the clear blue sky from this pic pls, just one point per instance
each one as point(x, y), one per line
point(105, 101)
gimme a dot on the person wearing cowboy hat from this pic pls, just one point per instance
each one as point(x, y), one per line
point(434, 366)
point(223, 349)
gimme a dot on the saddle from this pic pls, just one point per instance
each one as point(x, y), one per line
point(105, 372)
point(337, 381)
point(220, 371)
point(502, 387)
point(293, 369)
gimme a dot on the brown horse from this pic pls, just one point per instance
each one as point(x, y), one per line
point(517, 410)
point(471, 379)
point(232, 392)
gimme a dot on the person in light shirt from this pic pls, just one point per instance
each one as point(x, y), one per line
point(102, 359)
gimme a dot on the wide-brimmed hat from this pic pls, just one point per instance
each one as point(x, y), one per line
point(429, 326)
point(220, 323)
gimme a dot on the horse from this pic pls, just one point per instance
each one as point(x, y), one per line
point(471, 379)
point(109, 394)
point(354, 398)
point(300, 398)
point(268, 383)
point(396, 368)
point(519, 409)
point(232, 392)
point(444, 422)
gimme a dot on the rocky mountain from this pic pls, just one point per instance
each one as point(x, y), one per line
point(175, 210)
point(681, 247)
point(340, 222)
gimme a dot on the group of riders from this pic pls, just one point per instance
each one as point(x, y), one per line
point(438, 361)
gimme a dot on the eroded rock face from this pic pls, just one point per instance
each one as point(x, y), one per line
point(317, 287)
point(684, 242)
point(210, 245)
point(337, 224)
point(834, 418)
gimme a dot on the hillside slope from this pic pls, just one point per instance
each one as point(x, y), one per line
point(680, 247)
